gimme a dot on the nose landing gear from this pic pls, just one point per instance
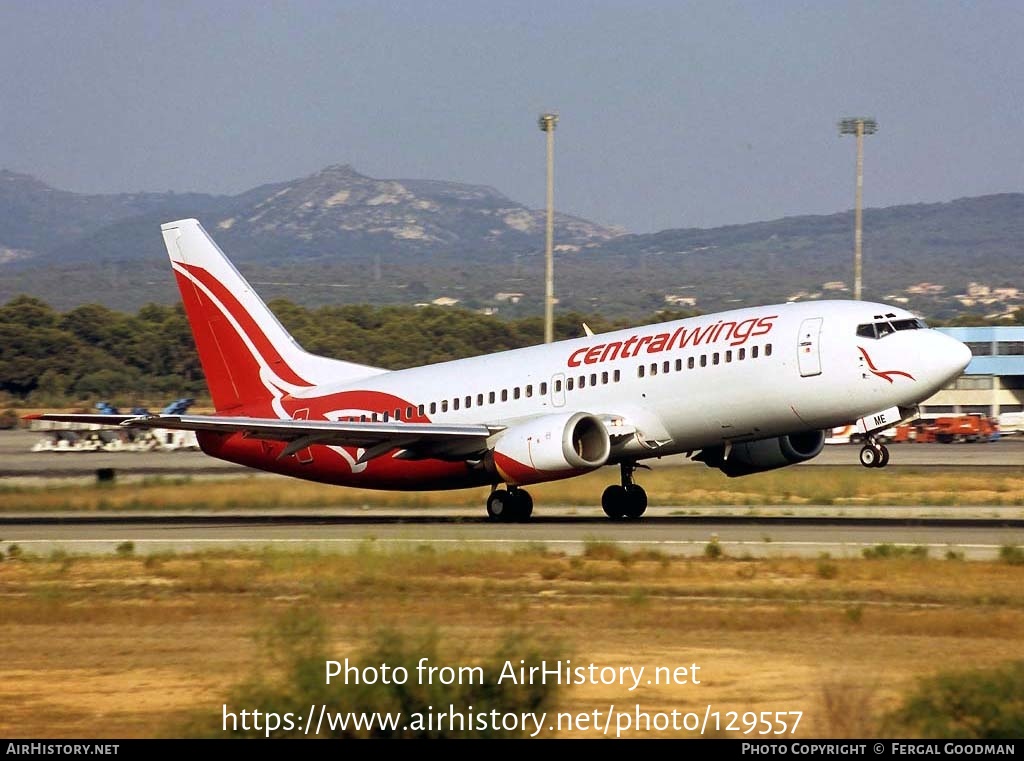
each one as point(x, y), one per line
point(874, 455)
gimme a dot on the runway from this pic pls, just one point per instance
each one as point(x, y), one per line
point(978, 533)
point(17, 461)
point(569, 531)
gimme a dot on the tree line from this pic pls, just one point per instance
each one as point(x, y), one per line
point(49, 358)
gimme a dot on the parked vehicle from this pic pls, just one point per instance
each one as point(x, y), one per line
point(949, 429)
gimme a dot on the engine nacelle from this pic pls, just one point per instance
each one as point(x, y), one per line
point(548, 448)
point(765, 454)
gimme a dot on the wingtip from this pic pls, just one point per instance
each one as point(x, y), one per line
point(179, 223)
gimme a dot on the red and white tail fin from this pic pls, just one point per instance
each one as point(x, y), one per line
point(250, 360)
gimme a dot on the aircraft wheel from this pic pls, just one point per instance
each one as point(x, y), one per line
point(636, 501)
point(523, 505)
point(883, 456)
point(500, 505)
point(613, 502)
point(869, 456)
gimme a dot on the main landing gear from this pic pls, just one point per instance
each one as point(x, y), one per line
point(514, 505)
point(626, 501)
point(874, 455)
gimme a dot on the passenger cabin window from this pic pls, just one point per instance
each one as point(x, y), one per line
point(515, 392)
point(616, 376)
point(504, 395)
point(490, 397)
point(444, 406)
point(544, 388)
point(767, 350)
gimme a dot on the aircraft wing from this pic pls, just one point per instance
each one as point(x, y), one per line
point(93, 419)
point(418, 440)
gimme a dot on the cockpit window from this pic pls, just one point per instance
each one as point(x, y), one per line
point(912, 324)
point(882, 328)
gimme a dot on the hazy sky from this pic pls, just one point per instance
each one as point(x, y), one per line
point(672, 114)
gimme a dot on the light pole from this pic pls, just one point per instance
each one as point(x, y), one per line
point(859, 126)
point(547, 122)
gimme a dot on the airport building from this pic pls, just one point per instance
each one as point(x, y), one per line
point(993, 383)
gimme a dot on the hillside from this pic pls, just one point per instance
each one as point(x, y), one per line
point(340, 237)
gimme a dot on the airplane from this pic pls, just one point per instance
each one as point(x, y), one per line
point(744, 391)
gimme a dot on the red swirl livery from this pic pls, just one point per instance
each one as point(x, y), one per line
point(743, 391)
point(885, 375)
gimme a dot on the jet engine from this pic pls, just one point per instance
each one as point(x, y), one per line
point(548, 448)
point(766, 454)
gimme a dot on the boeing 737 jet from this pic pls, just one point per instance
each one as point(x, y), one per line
point(743, 391)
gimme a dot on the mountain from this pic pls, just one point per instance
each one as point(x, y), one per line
point(36, 219)
point(336, 212)
point(338, 236)
point(931, 257)
point(341, 213)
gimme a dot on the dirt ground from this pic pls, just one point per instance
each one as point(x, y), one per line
point(125, 647)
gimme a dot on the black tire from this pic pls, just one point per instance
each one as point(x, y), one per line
point(883, 456)
point(500, 505)
point(868, 457)
point(636, 501)
point(613, 502)
point(524, 505)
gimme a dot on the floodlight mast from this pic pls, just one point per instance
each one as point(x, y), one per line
point(859, 126)
point(547, 122)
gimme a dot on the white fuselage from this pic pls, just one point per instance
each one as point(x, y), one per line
point(689, 384)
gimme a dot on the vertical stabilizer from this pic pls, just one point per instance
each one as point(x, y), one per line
point(248, 357)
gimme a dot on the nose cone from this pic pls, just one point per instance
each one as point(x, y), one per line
point(960, 356)
point(955, 356)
